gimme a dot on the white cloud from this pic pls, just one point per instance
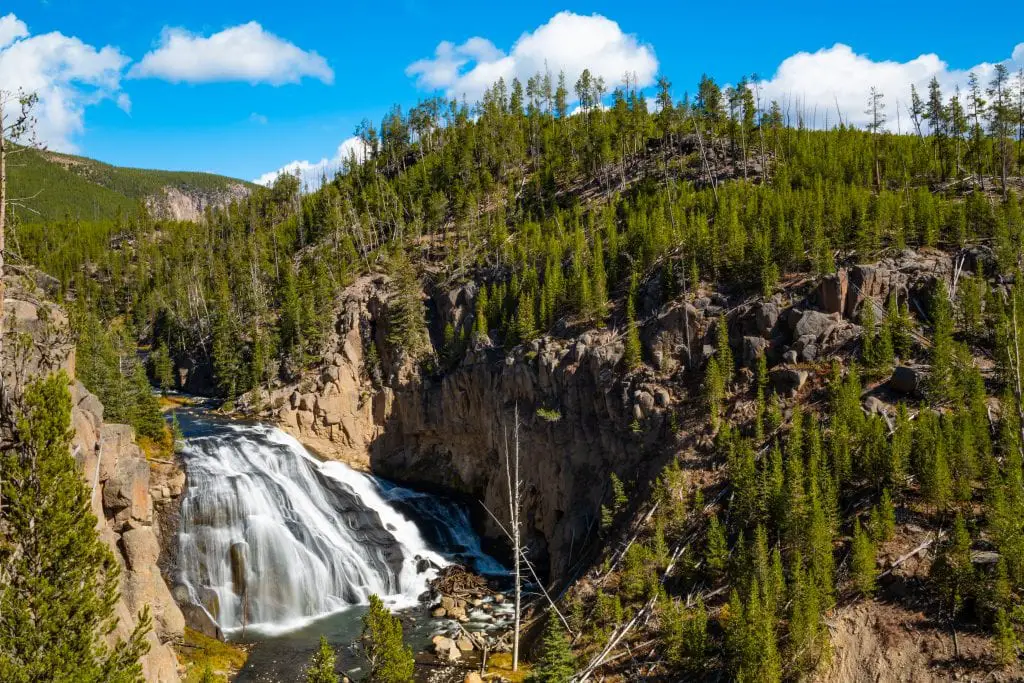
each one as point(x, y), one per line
point(837, 80)
point(240, 53)
point(124, 103)
point(67, 74)
point(312, 172)
point(11, 28)
point(568, 41)
point(256, 117)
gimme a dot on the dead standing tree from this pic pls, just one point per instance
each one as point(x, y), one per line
point(16, 124)
point(514, 510)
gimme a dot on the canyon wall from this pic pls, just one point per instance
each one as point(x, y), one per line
point(123, 483)
point(583, 416)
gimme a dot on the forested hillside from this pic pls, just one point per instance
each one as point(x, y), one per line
point(778, 499)
point(57, 187)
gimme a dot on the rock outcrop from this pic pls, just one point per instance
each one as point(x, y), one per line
point(36, 342)
point(187, 204)
point(583, 416)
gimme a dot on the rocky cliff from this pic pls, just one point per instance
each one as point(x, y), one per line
point(583, 415)
point(123, 482)
point(187, 204)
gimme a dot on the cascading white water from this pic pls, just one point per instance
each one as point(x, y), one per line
point(271, 538)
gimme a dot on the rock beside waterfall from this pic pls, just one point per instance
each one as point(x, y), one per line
point(446, 649)
point(112, 465)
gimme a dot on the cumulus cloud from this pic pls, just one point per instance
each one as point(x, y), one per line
point(311, 173)
point(568, 41)
point(241, 53)
point(11, 28)
point(836, 81)
point(67, 74)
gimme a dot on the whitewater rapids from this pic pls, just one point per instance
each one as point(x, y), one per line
point(271, 538)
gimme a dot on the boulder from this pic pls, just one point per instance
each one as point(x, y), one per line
point(446, 649)
point(472, 677)
point(875, 406)
point(464, 644)
point(753, 348)
point(906, 379)
point(439, 613)
point(815, 324)
point(788, 381)
point(766, 314)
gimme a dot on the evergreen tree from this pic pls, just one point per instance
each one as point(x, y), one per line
point(407, 326)
point(716, 552)
point(1007, 643)
point(632, 354)
point(883, 519)
point(724, 351)
point(321, 666)
point(390, 660)
point(942, 380)
point(556, 663)
point(161, 368)
point(714, 391)
point(862, 563)
point(59, 580)
point(952, 570)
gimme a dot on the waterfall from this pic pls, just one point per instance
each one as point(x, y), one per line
point(272, 538)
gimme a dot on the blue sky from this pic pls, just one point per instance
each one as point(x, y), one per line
point(246, 117)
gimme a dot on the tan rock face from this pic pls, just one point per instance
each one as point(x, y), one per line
point(449, 433)
point(112, 465)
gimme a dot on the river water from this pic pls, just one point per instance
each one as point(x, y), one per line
point(279, 547)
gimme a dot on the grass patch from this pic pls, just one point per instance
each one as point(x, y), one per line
point(549, 414)
point(159, 449)
point(199, 653)
point(172, 401)
point(500, 664)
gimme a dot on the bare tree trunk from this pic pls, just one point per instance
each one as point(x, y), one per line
point(512, 476)
point(3, 222)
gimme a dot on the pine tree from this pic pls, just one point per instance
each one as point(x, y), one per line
point(952, 570)
point(723, 351)
point(161, 368)
point(714, 391)
point(716, 552)
point(883, 519)
point(695, 638)
point(804, 617)
point(941, 380)
point(632, 354)
point(59, 580)
point(321, 666)
point(1006, 639)
point(869, 350)
point(390, 660)
point(480, 326)
point(407, 326)
point(862, 564)
point(897, 327)
point(556, 663)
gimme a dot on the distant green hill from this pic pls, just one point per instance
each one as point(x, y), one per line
point(62, 185)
